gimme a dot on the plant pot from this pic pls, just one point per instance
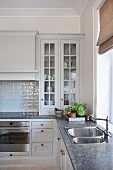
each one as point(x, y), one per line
point(72, 114)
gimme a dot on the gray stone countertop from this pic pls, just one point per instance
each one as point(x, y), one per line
point(87, 156)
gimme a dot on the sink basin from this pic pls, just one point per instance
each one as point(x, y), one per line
point(85, 132)
point(88, 140)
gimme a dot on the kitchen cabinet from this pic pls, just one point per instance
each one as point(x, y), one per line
point(63, 160)
point(69, 72)
point(59, 68)
point(18, 55)
point(43, 138)
point(49, 73)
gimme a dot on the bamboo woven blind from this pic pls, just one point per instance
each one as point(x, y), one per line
point(105, 40)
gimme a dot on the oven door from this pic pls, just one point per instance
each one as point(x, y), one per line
point(14, 141)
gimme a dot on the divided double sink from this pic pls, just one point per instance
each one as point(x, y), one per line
point(86, 135)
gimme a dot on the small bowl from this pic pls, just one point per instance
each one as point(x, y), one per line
point(59, 113)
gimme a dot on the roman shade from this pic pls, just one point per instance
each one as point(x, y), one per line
point(105, 40)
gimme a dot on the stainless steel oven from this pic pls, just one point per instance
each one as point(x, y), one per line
point(14, 138)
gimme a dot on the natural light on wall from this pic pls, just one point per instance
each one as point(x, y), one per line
point(104, 86)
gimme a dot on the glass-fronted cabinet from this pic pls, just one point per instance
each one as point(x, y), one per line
point(49, 73)
point(70, 72)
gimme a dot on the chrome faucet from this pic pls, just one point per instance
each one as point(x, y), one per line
point(106, 131)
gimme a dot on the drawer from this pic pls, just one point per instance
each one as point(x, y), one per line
point(42, 135)
point(42, 149)
point(42, 124)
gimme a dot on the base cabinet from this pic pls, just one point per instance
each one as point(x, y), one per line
point(63, 160)
point(42, 138)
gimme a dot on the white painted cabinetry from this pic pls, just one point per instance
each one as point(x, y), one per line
point(59, 68)
point(42, 138)
point(17, 55)
point(63, 160)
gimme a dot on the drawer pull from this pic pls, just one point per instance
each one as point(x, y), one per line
point(42, 131)
point(62, 152)
point(41, 124)
point(42, 144)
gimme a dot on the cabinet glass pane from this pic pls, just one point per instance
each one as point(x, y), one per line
point(52, 99)
point(46, 86)
point(66, 49)
point(52, 61)
point(46, 49)
point(46, 61)
point(66, 99)
point(73, 74)
point(46, 74)
point(66, 74)
point(73, 49)
point(66, 61)
point(46, 99)
point(52, 49)
point(73, 61)
point(52, 85)
point(52, 74)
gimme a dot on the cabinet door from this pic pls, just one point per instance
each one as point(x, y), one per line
point(69, 72)
point(59, 149)
point(49, 73)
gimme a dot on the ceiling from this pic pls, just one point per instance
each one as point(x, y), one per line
point(69, 7)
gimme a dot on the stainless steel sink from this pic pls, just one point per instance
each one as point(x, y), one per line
point(88, 140)
point(85, 132)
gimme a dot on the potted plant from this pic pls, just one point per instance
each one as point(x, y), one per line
point(76, 110)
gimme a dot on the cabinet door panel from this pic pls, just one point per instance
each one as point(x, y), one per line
point(49, 74)
point(42, 149)
point(70, 72)
point(40, 135)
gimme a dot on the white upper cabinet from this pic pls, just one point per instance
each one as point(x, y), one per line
point(17, 50)
point(69, 72)
point(59, 71)
point(49, 73)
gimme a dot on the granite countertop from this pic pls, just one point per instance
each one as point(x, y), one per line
point(98, 156)
point(24, 115)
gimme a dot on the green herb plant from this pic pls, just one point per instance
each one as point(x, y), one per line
point(79, 109)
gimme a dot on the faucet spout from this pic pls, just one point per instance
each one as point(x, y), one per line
point(106, 132)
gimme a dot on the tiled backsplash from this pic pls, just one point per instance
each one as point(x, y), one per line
point(19, 96)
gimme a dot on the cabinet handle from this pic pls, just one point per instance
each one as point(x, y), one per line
point(62, 152)
point(58, 138)
point(42, 144)
point(42, 131)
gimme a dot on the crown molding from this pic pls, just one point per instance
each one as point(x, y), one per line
point(36, 12)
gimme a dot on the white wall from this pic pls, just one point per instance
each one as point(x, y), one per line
point(89, 25)
point(86, 61)
point(42, 24)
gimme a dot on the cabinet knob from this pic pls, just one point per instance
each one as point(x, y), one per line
point(42, 99)
point(58, 138)
point(41, 124)
point(42, 131)
point(62, 152)
point(62, 99)
point(42, 144)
